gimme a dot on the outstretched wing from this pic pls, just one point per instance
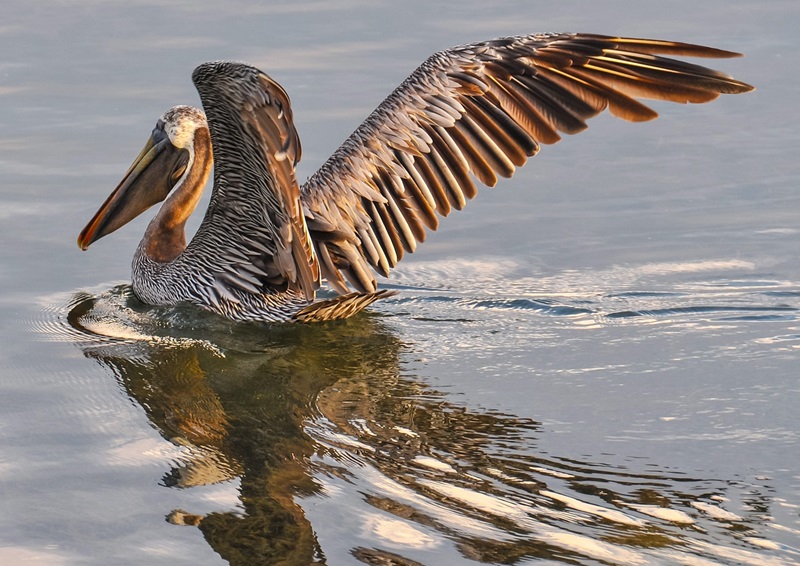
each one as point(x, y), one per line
point(479, 111)
point(253, 237)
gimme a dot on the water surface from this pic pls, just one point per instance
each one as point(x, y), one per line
point(594, 363)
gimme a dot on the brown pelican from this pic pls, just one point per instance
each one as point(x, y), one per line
point(473, 112)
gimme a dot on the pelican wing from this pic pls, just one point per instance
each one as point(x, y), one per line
point(253, 233)
point(476, 112)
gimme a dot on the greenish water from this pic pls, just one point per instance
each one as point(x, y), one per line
point(594, 363)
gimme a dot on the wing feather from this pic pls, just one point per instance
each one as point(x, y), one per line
point(480, 111)
point(255, 217)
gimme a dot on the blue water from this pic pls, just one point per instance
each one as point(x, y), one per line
point(594, 363)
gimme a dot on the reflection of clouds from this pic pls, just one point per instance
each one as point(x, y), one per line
point(245, 8)
point(778, 231)
point(672, 515)
point(160, 42)
point(739, 435)
point(396, 533)
point(301, 7)
point(22, 555)
point(11, 210)
point(142, 452)
point(347, 56)
point(670, 267)
point(11, 90)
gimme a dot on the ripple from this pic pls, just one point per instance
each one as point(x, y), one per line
point(644, 295)
point(780, 339)
point(711, 309)
point(330, 418)
point(541, 306)
point(455, 291)
point(114, 316)
point(448, 485)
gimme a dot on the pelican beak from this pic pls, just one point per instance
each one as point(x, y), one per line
point(148, 181)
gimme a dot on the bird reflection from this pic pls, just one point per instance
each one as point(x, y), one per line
point(240, 407)
point(292, 411)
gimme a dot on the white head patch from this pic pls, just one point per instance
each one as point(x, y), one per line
point(180, 124)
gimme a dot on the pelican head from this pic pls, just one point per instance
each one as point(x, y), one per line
point(164, 164)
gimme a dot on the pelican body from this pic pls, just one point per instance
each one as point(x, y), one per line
point(470, 113)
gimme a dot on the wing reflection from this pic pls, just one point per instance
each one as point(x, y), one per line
point(326, 424)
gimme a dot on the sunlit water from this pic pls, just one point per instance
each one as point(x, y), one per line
point(595, 363)
point(329, 441)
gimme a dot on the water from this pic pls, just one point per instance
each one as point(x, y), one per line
point(594, 363)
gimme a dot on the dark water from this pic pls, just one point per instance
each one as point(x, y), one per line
point(595, 363)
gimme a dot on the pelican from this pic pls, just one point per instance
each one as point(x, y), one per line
point(467, 114)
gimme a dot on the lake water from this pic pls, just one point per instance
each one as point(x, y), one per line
point(594, 363)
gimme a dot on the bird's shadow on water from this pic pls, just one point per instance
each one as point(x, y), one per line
point(297, 413)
